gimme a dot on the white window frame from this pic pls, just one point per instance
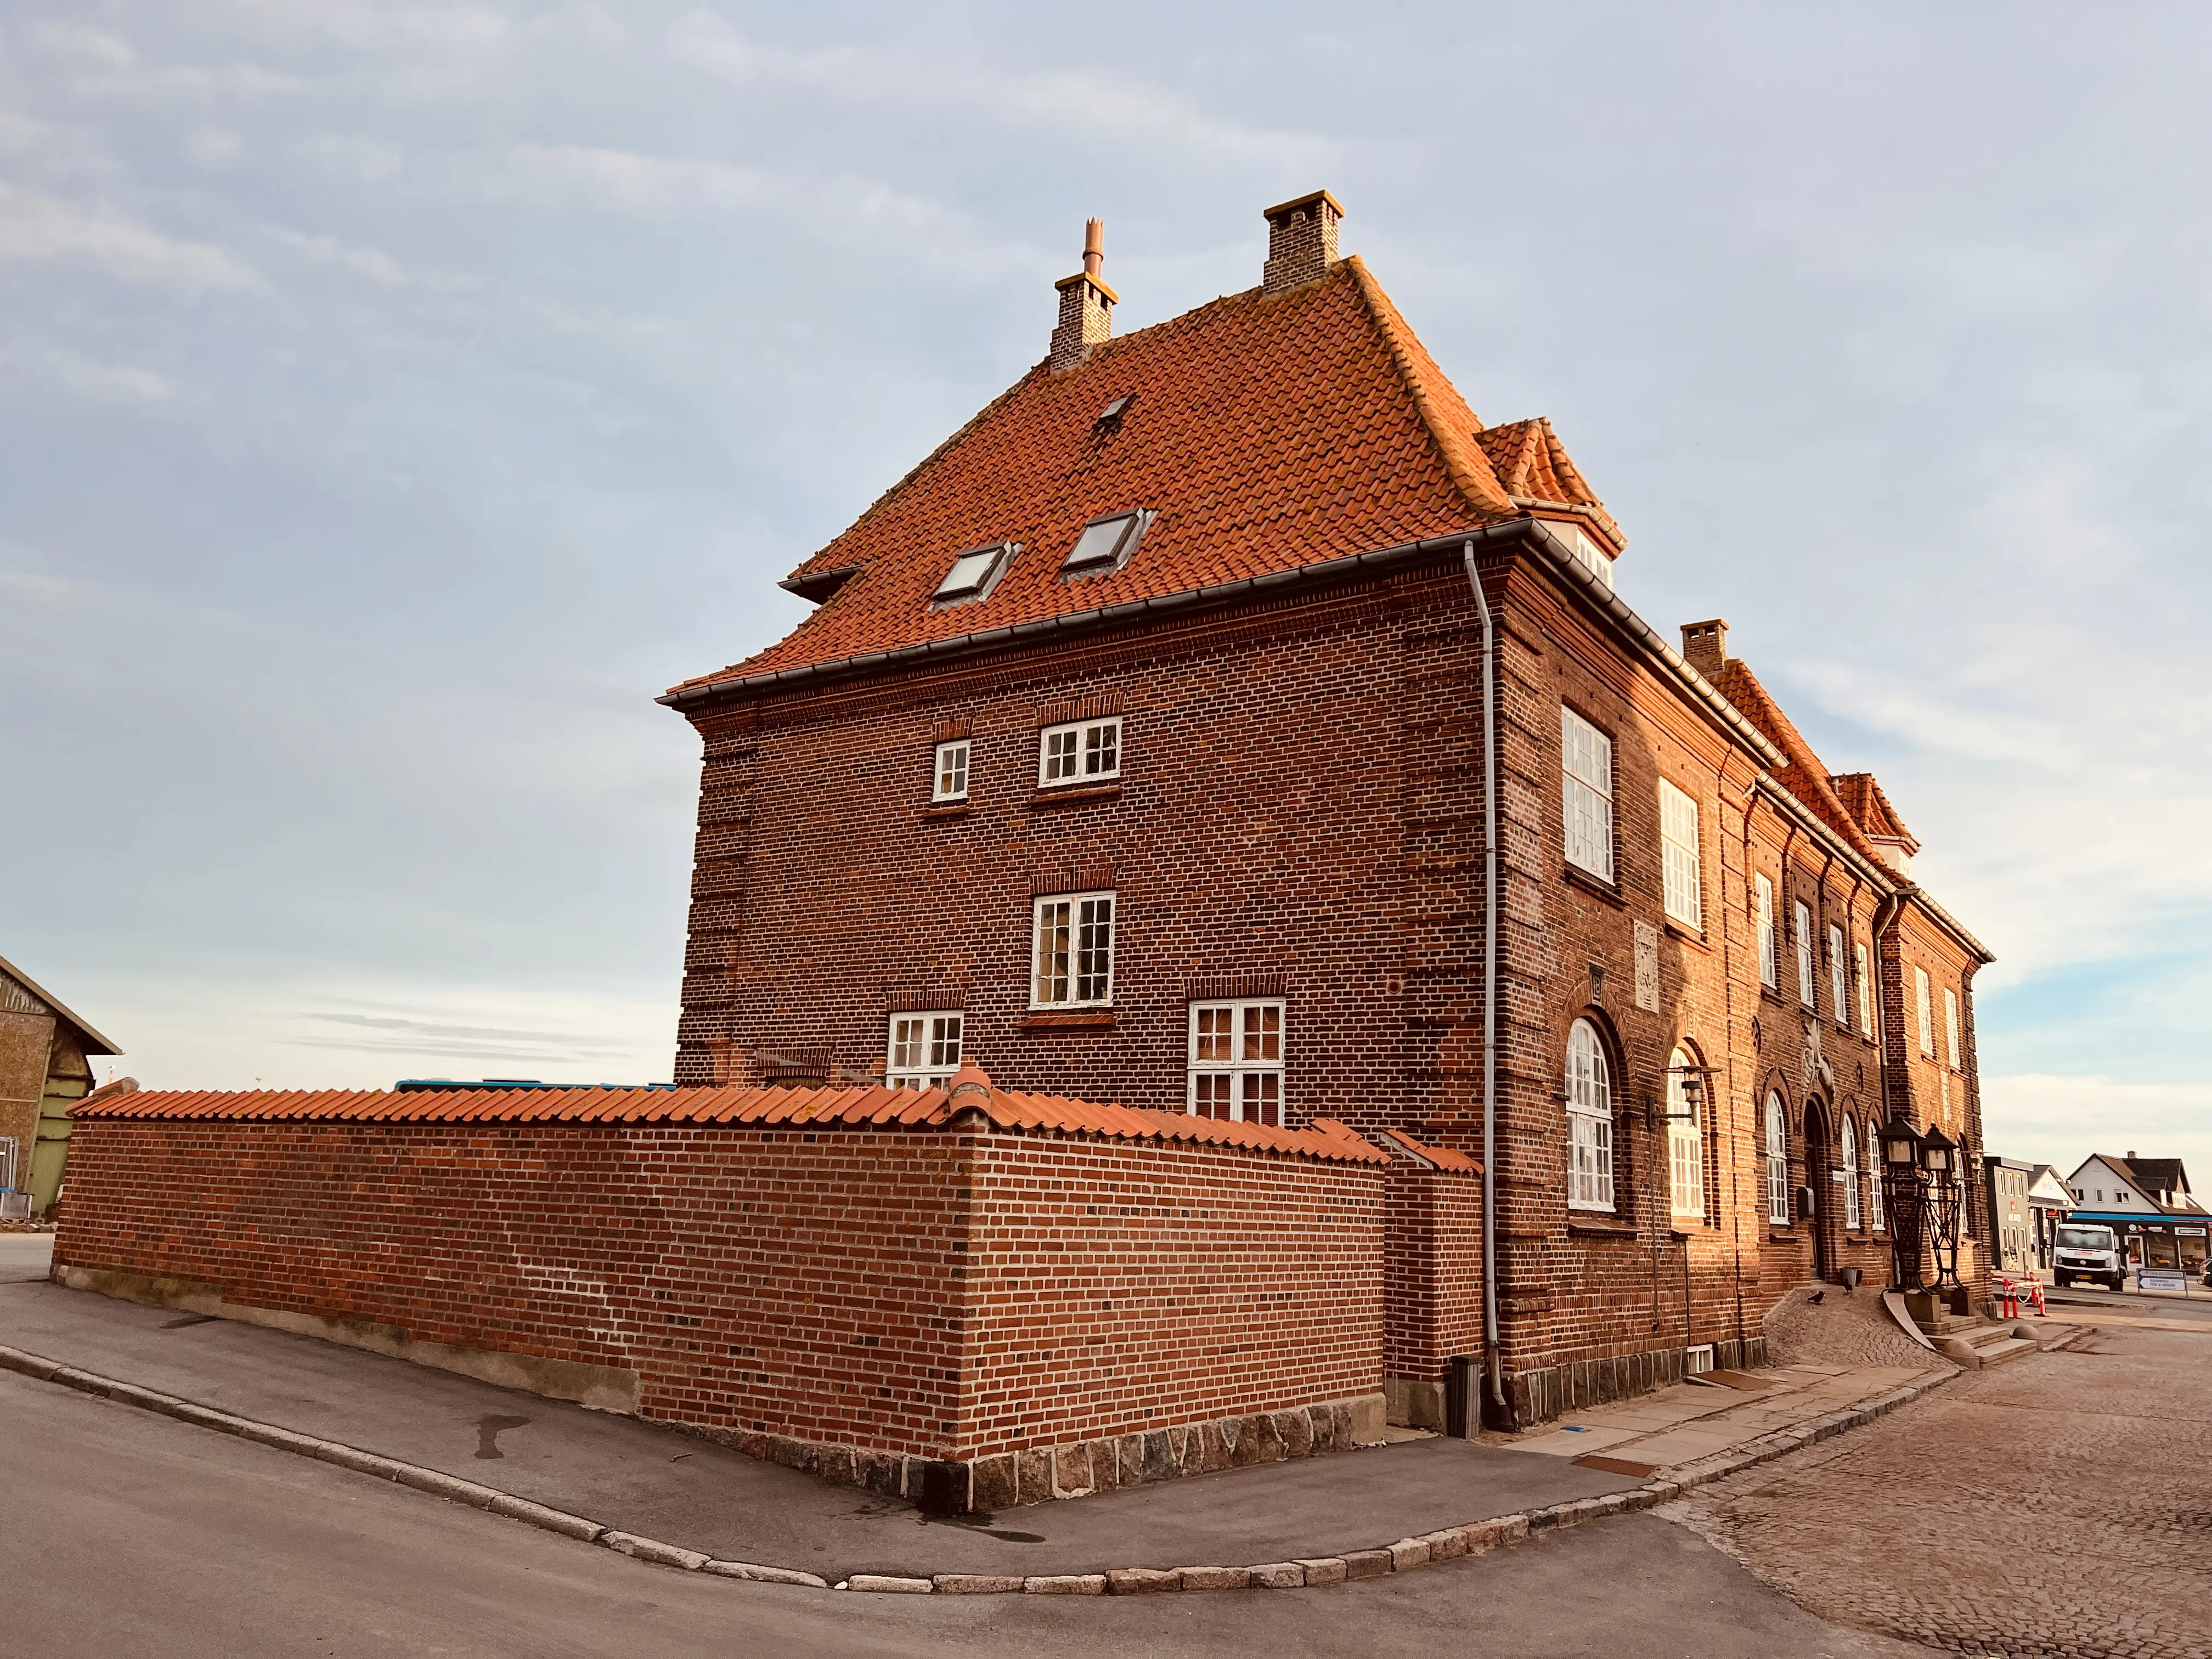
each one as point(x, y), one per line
point(1685, 864)
point(1066, 951)
point(1777, 1159)
point(1238, 1062)
point(1861, 963)
point(1685, 1144)
point(922, 1048)
point(948, 775)
point(1590, 1120)
point(1837, 986)
point(1769, 971)
point(1927, 1012)
point(1876, 1221)
point(1802, 914)
point(1092, 753)
point(1951, 1026)
point(1586, 794)
point(1853, 1216)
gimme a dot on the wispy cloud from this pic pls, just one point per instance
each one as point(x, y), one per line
point(2060, 1120)
point(41, 229)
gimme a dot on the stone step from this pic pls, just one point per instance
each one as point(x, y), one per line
point(1977, 1355)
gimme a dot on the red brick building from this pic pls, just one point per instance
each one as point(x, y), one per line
point(1227, 720)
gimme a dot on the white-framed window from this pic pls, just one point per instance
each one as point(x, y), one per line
point(1678, 836)
point(1852, 1217)
point(1927, 1013)
point(1586, 793)
point(1874, 1178)
point(1074, 951)
point(1951, 1026)
point(1777, 1160)
point(1865, 976)
point(1801, 913)
point(1842, 1011)
point(1769, 972)
point(1081, 752)
point(925, 1049)
point(1590, 1120)
point(1686, 1139)
point(1237, 1061)
point(949, 780)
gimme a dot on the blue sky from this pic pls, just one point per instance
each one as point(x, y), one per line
point(393, 398)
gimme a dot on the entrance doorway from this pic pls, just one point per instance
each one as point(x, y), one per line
point(1820, 1176)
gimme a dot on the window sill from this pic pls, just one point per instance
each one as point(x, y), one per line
point(1087, 1019)
point(1591, 1227)
point(1075, 794)
point(1689, 935)
point(947, 809)
point(1575, 876)
point(1782, 1235)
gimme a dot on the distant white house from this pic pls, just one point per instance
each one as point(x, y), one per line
point(2147, 1201)
point(2147, 1185)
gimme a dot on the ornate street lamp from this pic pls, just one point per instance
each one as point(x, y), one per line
point(1904, 1186)
point(1939, 1159)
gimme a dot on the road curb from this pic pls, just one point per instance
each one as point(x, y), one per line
point(1407, 1554)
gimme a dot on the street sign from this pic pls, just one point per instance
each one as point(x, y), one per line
point(2161, 1279)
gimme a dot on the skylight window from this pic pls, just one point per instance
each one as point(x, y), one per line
point(1105, 543)
point(973, 572)
point(1111, 415)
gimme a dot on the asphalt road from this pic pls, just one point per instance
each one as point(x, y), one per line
point(127, 1533)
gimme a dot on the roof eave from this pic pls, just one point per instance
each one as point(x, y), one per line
point(94, 1043)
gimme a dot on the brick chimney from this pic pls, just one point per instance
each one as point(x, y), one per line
point(1086, 305)
point(1706, 644)
point(1301, 242)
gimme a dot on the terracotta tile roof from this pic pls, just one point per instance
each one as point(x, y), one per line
point(1267, 432)
point(1862, 797)
point(1534, 468)
point(858, 1107)
point(1803, 776)
point(1440, 1157)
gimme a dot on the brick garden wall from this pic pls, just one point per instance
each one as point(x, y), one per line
point(845, 1301)
point(1432, 1286)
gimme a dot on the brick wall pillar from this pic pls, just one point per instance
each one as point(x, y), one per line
point(1432, 1278)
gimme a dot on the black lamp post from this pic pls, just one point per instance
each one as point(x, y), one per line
point(1904, 1190)
point(1939, 1159)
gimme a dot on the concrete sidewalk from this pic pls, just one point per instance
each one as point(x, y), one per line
point(1656, 1434)
point(640, 1479)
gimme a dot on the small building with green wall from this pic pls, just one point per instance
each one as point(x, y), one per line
point(46, 1068)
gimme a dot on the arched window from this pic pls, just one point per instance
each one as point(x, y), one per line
point(1850, 1174)
point(1777, 1161)
point(1686, 1139)
point(1874, 1179)
point(1590, 1121)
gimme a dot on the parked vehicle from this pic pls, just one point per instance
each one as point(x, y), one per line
point(2082, 1251)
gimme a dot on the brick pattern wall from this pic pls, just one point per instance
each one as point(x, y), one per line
point(1433, 1286)
point(1111, 1289)
point(930, 1295)
point(1301, 808)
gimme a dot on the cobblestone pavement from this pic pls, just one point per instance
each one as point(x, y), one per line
point(2058, 1506)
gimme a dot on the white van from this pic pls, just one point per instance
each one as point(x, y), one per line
point(2083, 1251)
